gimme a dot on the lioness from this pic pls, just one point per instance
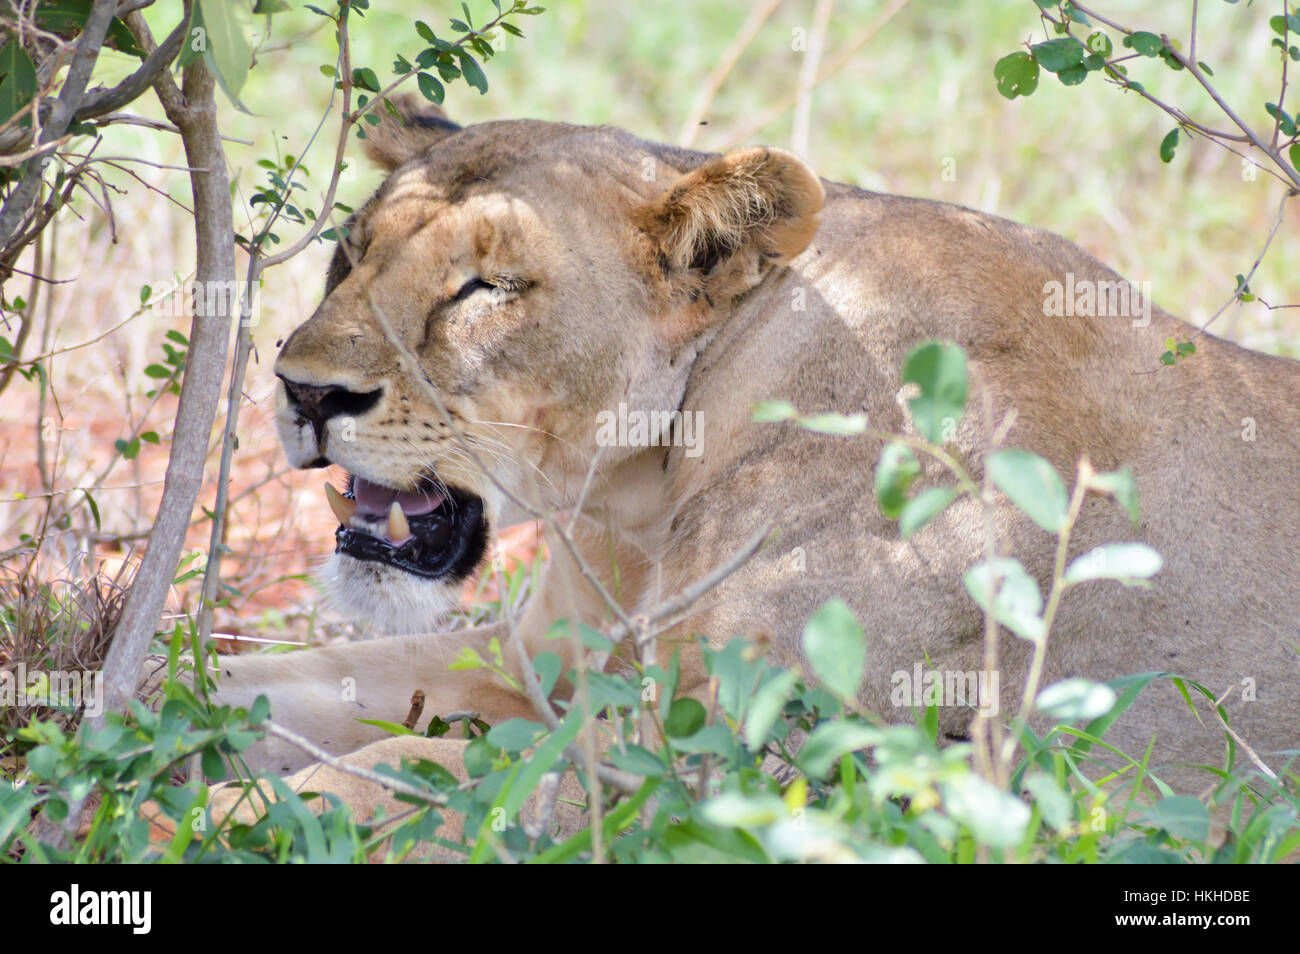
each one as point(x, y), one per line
point(513, 284)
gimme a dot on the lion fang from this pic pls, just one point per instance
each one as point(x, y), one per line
point(399, 531)
point(343, 507)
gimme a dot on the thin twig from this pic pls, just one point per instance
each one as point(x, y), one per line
point(846, 55)
point(808, 75)
point(726, 63)
point(334, 762)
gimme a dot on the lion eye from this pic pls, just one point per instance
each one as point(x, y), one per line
point(471, 286)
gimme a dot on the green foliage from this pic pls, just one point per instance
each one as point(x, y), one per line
point(1071, 59)
point(939, 370)
point(774, 768)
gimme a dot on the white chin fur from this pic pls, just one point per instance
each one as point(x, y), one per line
point(392, 601)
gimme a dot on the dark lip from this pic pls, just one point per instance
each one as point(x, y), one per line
point(448, 542)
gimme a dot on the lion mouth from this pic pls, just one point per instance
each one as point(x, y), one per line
point(431, 532)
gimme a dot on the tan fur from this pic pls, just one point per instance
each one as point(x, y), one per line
point(679, 289)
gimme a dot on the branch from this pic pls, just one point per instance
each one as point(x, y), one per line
point(845, 57)
point(700, 108)
point(696, 590)
point(1277, 223)
point(334, 762)
point(201, 387)
point(18, 204)
point(130, 89)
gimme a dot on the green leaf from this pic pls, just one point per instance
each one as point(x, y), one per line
point(94, 509)
point(1033, 485)
point(1284, 121)
point(1072, 700)
point(69, 17)
point(1016, 75)
point(993, 816)
point(227, 46)
point(939, 369)
point(685, 718)
point(766, 708)
point(157, 371)
point(923, 508)
point(547, 666)
point(1182, 816)
point(590, 638)
point(1120, 485)
point(1168, 145)
point(365, 78)
point(713, 739)
point(392, 728)
point(766, 412)
point(1050, 799)
point(831, 741)
point(17, 80)
point(1099, 42)
point(128, 449)
point(430, 88)
point(638, 761)
point(467, 658)
point(471, 71)
point(735, 810)
point(844, 425)
point(895, 473)
point(1129, 563)
point(836, 648)
point(1073, 76)
point(515, 735)
point(1019, 603)
point(479, 757)
point(1075, 15)
point(1060, 54)
point(1148, 44)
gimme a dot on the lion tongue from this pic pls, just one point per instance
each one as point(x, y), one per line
point(375, 500)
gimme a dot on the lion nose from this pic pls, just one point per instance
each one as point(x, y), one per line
point(317, 403)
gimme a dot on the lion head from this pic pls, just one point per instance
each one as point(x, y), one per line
point(507, 283)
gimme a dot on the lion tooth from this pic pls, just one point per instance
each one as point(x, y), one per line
point(398, 529)
point(343, 507)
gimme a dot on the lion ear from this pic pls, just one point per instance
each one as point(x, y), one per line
point(727, 219)
point(418, 125)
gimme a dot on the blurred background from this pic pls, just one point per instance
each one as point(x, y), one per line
point(903, 100)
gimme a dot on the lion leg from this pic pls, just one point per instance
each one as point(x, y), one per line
point(322, 693)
